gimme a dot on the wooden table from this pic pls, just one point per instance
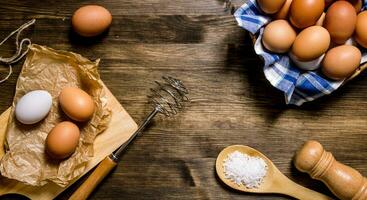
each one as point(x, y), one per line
point(232, 102)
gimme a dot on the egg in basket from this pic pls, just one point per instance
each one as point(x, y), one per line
point(310, 48)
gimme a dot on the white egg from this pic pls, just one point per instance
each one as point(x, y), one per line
point(308, 65)
point(33, 106)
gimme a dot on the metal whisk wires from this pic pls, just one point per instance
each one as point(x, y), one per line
point(167, 98)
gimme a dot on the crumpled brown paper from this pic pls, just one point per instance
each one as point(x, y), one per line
point(47, 69)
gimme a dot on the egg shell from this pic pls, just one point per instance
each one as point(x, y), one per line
point(284, 11)
point(341, 62)
point(76, 103)
point(33, 107)
point(357, 4)
point(270, 6)
point(62, 140)
point(361, 29)
point(305, 13)
point(309, 65)
point(278, 36)
point(340, 21)
point(91, 20)
point(311, 43)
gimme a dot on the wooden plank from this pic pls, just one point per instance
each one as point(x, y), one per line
point(146, 29)
point(232, 103)
point(59, 8)
point(119, 130)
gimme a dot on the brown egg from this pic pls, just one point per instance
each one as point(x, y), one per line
point(270, 6)
point(361, 29)
point(341, 62)
point(62, 141)
point(284, 11)
point(311, 43)
point(305, 13)
point(357, 4)
point(76, 104)
point(321, 20)
point(278, 36)
point(91, 20)
point(340, 21)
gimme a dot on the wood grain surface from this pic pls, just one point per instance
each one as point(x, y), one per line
point(232, 102)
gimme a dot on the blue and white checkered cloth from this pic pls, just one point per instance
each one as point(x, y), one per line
point(298, 86)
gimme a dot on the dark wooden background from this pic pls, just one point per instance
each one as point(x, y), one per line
point(232, 102)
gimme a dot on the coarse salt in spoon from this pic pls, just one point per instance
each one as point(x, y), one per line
point(273, 182)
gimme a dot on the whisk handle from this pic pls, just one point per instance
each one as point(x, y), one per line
point(107, 164)
point(102, 170)
point(116, 154)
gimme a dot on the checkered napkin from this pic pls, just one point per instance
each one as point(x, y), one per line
point(298, 86)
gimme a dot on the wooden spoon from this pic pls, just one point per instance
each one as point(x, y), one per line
point(274, 181)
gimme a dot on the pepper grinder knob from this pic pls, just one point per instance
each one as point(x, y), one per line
point(344, 181)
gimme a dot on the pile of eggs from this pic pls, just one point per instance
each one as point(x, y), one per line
point(63, 139)
point(317, 33)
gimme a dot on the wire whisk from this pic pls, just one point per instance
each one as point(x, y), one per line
point(167, 98)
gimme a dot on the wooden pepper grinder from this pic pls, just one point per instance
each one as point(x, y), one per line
point(344, 181)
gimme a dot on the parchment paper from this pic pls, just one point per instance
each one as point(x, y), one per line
point(47, 69)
